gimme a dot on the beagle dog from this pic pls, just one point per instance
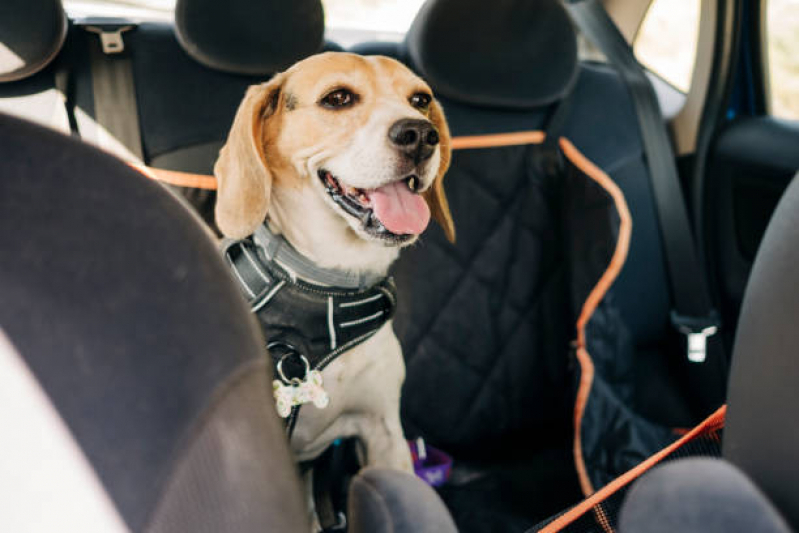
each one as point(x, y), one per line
point(343, 157)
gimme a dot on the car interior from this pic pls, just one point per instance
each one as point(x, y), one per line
point(134, 379)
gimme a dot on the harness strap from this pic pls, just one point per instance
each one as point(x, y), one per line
point(257, 283)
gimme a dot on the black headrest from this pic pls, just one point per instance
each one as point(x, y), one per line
point(245, 37)
point(31, 35)
point(505, 53)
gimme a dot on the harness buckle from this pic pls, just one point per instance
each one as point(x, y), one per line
point(696, 330)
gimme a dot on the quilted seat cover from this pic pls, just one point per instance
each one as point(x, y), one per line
point(511, 337)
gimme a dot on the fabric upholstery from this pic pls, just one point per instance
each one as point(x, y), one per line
point(761, 437)
point(478, 336)
point(488, 211)
point(185, 109)
point(128, 318)
point(511, 53)
point(387, 501)
point(31, 35)
point(243, 37)
point(698, 496)
point(233, 456)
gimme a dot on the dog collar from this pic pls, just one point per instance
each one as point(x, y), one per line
point(306, 325)
point(276, 249)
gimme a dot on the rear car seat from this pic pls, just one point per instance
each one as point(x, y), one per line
point(189, 78)
point(470, 321)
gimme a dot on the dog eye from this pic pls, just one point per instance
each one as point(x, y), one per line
point(338, 98)
point(421, 101)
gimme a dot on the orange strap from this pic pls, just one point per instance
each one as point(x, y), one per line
point(711, 423)
point(201, 181)
point(175, 177)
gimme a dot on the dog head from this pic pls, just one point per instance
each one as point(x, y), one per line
point(337, 148)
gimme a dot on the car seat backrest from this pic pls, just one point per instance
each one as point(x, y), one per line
point(32, 34)
point(121, 308)
point(761, 436)
point(448, 323)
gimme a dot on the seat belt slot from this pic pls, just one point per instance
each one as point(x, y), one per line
point(110, 37)
point(697, 331)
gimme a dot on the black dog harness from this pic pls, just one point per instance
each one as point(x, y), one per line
point(306, 325)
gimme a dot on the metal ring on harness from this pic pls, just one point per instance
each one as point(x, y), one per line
point(291, 351)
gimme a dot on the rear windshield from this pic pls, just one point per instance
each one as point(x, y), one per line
point(377, 16)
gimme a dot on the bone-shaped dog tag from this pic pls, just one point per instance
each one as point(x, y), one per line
point(299, 391)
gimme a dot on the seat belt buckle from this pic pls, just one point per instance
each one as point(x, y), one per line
point(110, 32)
point(697, 331)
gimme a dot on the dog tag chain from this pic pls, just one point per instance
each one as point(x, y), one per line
point(290, 393)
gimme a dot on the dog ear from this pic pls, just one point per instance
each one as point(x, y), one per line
point(435, 197)
point(244, 181)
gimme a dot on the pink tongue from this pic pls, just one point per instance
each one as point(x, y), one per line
point(400, 210)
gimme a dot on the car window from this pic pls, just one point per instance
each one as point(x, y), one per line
point(377, 15)
point(133, 9)
point(666, 41)
point(782, 56)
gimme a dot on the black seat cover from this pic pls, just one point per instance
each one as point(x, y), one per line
point(120, 306)
point(762, 436)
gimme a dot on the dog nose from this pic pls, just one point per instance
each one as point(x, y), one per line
point(416, 139)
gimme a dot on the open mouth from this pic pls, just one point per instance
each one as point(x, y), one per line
point(394, 212)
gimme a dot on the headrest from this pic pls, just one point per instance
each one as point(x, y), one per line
point(508, 53)
point(31, 35)
point(245, 37)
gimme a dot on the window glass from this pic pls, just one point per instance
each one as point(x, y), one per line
point(666, 41)
point(145, 9)
point(782, 52)
point(376, 15)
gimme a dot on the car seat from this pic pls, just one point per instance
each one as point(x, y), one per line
point(755, 487)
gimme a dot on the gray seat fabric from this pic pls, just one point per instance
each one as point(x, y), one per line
point(698, 496)
point(762, 437)
point(384, 501)
point(121, 308)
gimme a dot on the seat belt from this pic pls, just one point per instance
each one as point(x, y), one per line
point(693, 313)
point(116, 129)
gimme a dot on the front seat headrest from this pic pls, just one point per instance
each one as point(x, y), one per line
point(254, 38)
point(32, 33)
point(504, 53)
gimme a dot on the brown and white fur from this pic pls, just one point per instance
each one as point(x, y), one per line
point(285, 132)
